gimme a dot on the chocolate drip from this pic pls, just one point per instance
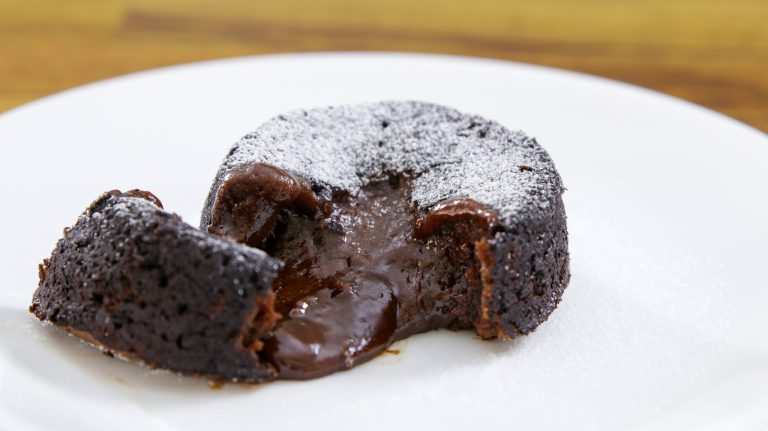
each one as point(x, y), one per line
point(361, 270)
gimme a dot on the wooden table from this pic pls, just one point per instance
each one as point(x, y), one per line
point(712, 52)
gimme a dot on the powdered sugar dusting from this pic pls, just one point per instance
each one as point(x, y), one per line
point(453, 155)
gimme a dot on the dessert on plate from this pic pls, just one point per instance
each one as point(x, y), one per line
point(327, 235)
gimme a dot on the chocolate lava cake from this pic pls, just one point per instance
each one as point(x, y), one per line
point(327, 235)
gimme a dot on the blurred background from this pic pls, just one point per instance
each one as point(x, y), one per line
point(711, 52)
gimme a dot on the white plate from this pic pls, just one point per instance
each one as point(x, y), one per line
point(664, 326)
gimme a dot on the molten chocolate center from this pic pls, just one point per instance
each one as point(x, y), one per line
point(361, 270)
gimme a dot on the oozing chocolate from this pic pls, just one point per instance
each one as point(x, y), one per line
point(361, 271)
point(254, 198)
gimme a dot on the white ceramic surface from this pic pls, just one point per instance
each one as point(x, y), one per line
point(664, 326)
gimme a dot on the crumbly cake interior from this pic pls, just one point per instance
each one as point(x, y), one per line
point(361, 269)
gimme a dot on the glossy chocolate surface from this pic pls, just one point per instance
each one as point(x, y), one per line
point(361, 271)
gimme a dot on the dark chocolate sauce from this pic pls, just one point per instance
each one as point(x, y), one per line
point(249, 202)
point(361, 270)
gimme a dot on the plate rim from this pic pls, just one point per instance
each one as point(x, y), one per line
point(404, 55)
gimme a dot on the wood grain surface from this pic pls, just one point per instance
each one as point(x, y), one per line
point(711, 52)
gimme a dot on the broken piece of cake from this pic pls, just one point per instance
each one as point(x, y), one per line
point(328, 234)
